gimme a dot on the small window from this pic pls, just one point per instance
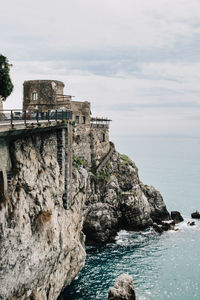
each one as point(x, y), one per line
point(1, 183)
point(83, 119)
point(77, 119)
point(103, 137)
point(34, 96)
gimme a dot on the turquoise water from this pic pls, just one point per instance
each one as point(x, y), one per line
point(163, 266)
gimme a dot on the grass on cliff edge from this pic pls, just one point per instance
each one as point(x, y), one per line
point(125, 159)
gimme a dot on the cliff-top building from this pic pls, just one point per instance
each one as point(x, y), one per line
point(48, 94)
point(44, 95)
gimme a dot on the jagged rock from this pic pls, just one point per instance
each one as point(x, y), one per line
point(172, 225)
point(191, 223)
point(42, 245)
point(168, 225)
point(176, 216)
point(157, 228)
point(195, 215)
point(123, 289)
point(159, 211)
point(163, 226)
point(101, 223)
point(117, 199)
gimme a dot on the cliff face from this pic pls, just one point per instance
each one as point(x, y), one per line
point(115, 197)
point(41, 243)
point(119, 200)
point(47, 204)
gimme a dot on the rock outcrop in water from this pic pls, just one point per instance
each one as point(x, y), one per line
point(195, 215)
point(176, 216)
point(123, 289)
point(117, 199)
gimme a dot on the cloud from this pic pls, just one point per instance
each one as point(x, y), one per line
point(137, 61)
point(89, 23)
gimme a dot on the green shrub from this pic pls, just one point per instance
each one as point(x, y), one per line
point(125, 160)
point(78, 162)
point(102, 176)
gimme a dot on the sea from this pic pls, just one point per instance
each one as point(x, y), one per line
point(165, 266)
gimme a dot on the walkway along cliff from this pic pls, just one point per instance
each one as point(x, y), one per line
point(57, 178)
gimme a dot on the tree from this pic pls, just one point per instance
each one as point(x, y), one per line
point(6, 85)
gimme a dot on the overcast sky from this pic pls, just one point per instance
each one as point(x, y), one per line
point(136, 61)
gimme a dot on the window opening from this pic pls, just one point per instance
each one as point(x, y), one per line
point(83, 119)
point(1, 183)
point(77, 119)
point(34, 96)
point(103, 137)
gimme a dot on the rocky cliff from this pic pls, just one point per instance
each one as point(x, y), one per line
point(41, 243)
point(117, 199)
point(41, 239)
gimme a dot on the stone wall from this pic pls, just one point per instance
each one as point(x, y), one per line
point(81, 112)
point(91, 144)
point(81, 143)
point(46, 91)
point(99, 143)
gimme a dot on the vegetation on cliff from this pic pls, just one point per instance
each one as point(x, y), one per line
point(6, 86)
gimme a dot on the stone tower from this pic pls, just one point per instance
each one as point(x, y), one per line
point(44, 95)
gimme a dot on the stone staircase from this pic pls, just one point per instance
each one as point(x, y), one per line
point(106, 158)
point(10, 175)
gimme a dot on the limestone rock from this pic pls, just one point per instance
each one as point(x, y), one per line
point(117, 199)
point(195, 215)
point(157, 228)
point(42, 245)
point(176, 216)
point(162, 226)
point(158, 208)
point(101, 223)
point(41, 238)
point(123, 289)
point(191, 223)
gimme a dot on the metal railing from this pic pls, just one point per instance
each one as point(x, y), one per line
point(96, 120)
point(19, 116)
point(99, 122)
